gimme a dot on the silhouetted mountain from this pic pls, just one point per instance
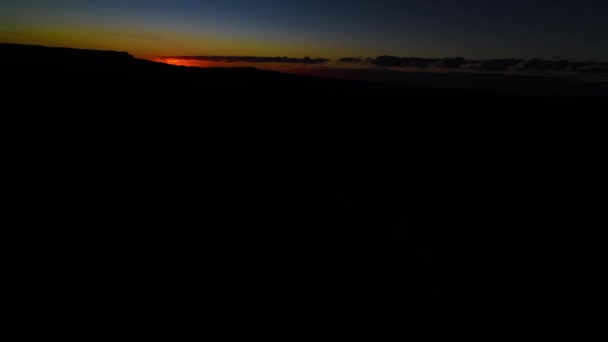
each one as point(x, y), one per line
point(39, 56)
point(146, 200)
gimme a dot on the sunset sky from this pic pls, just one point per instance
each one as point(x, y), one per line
point(318, 28)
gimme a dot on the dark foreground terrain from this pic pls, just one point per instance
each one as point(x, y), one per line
point(146, 201)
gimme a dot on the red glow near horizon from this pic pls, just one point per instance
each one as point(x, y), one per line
point(281, 67)
point(180, 61)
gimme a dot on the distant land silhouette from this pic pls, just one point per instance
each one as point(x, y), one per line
point(509, 75)
point(147, 200)
point(505, 64)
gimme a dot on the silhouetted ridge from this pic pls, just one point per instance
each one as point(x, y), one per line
point(54, 56)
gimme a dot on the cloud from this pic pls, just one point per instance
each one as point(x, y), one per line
point(451, 63)
point(505, 64)
point(253, 59)
point(501, 64)
point(565, 65)
point(392, 61)
point(350, 60)
point(388, 61)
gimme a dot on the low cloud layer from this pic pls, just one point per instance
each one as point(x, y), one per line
point(456, 63)
point(252, 59)
point(510, 64)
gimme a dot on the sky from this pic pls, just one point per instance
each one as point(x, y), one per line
point(576, 30)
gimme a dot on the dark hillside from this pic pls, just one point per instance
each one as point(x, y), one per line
point(151, 201)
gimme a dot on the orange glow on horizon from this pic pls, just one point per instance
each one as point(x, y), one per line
point(229, 64)
point(179, 61)
point(273, 66)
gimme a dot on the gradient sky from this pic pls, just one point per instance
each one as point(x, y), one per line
point(317, 28)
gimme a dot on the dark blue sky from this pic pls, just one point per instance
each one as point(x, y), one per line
point(317, 28)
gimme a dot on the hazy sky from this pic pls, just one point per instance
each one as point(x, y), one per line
point(316, 28)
